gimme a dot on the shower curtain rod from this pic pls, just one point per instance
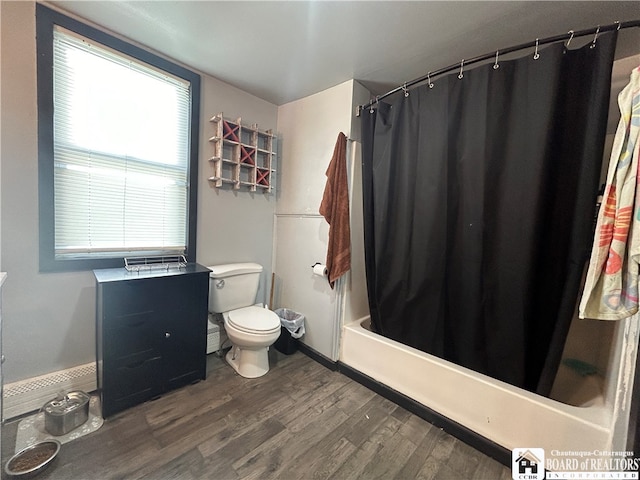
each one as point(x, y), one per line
point(536, 43)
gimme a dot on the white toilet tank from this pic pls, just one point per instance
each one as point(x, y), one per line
point(233, 286)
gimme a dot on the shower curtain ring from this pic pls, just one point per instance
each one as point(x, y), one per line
point(571, 32)
point(404, 89)
point(536, 55)
point(460, 75)
point(495, 65)
point(595, 38)
point(377, 100)
point(429, 80)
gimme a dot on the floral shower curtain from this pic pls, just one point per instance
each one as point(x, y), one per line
point(611, 288)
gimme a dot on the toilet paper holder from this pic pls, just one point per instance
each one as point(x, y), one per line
point(319, 269)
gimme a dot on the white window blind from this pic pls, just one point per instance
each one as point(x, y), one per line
point(121, 153)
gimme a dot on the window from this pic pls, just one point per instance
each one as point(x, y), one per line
point(118, 137)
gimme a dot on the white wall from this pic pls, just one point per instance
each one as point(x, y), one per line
point(233, 225)
point(48, 319)
point(309, 129)
point(356, 300)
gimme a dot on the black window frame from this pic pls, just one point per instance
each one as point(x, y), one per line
point(46, 20)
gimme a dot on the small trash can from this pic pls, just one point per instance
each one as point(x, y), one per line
point(291, 329)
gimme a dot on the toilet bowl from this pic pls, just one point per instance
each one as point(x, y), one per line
point(250, 328)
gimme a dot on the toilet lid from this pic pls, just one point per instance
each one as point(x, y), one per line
point(254, 319)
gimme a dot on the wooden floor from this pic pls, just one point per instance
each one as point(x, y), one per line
point(300, 421)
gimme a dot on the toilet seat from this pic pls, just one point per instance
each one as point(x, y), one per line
point(256, 320)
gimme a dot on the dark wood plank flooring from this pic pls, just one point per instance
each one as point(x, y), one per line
point(300, 421)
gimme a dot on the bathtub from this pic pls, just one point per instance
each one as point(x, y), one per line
point(501, 413)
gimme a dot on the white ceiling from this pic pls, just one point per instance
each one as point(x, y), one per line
point(282, 51)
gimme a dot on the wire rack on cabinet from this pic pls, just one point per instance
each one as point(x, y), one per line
point(159, 262)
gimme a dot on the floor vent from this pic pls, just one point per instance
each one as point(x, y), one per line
point(31, 394)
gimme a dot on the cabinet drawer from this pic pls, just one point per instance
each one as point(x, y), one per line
point(134, 373)
point(132, 333)
point(122, 298)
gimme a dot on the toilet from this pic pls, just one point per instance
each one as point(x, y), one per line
point(251, 329)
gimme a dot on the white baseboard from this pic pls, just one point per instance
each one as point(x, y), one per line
point(31, 394)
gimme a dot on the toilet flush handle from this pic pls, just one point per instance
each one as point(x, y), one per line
point(220, 284)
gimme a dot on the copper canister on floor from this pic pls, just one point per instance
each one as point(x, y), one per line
point(62, 415)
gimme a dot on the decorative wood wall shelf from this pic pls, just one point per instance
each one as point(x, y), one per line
point(243, 156)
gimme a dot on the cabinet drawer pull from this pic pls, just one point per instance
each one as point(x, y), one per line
point(136, 364)
point(133, 365)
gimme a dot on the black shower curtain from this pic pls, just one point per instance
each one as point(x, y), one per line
point(479, 197)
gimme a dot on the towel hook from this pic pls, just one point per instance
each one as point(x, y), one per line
point(495, 65)
point(429, 80)
point(571, 32)
point(536, 55)
point(404, 89)
point(461, 75)
point(595, 38)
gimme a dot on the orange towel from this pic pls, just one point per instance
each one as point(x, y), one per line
point(335, 209)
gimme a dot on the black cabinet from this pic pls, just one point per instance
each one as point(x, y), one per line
point(151, 333)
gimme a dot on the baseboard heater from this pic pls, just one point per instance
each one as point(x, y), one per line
point(31, 394)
